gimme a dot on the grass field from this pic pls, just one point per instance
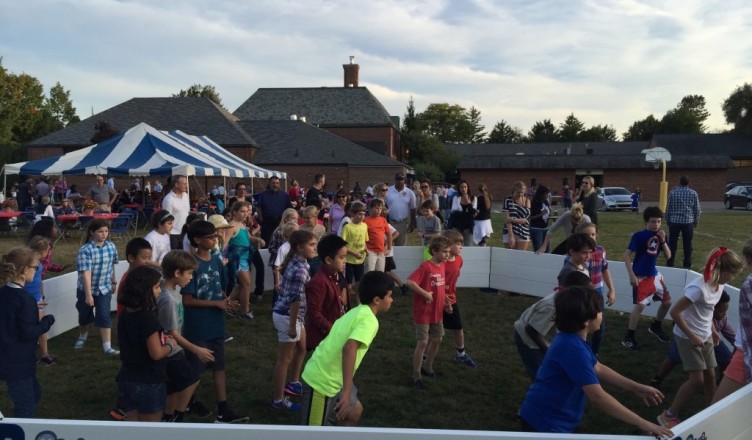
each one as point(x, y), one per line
point(82, 384)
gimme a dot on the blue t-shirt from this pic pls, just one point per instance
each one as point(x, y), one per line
point(204, 323)
point(35, 286)
point(555, 402)
point(646, 246)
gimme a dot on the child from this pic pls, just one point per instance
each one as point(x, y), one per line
point(378, 230)
point(192, 217)
point(204, 306)
point(429, 225)
point(35, 287)
point(159, 237)
point(324, 292)
point(694, 333)
point(142, 376)
point(289, 316)
point(240, 250)
point(355, 234)
point(721, 351)
point(282, 251)
point(535, 327)
point(634, 207)
point(579, 249)
point(429, 291)
point(597, 266)
point(647, 283)
point(46, 228)
point(739, 371)
point(311, 222)
point(329, 394)
point(288, 215)
point(95, 264)
point(451, 318)
point(22, 327)
point(555, 402)
point(182, 378)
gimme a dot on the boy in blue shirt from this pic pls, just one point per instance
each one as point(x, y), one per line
point(204, 305)
point(647, 283)
point(555, 402)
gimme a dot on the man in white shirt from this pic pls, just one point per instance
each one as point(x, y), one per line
point(178, 204)
point(401, 203)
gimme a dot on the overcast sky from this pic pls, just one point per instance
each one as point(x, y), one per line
point(609, 62)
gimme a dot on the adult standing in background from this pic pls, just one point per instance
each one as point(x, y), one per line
point(426, 193)
point(111, 184)
point(516, 208)
point(294, 193)
point(271, 204)
point(23, 194)
point(482, 228)
point(682, 215)
point(401, 203)
point(61, 187)
point(102, 195)
point(589, 198)
point(315, 195)
point(462, 216)
point(43, 189)
point(177, 202)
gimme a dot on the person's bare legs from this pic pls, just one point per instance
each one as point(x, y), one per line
point(284, 358)
point(420, 349)
point(431, 350)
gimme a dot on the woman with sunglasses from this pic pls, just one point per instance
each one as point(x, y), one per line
point(337, 211)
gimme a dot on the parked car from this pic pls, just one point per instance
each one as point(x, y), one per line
point(614, 197)
point(739, 196)
point(732, 185)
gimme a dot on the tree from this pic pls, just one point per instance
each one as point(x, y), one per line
point(200, 91)
point(410, 120)
point(688, 117)
point(599, 133)
point(543, 131)
point(447, 123)
point(503, 133)
point(642, 130)
point(479, 135)
point(737, 109)
point(61, 106)
point(570, 129)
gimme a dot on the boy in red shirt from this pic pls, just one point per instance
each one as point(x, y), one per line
point(429, 295)
point(452, 318)
point(378, 232)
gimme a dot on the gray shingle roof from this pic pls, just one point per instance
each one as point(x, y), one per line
point(323, 106)
point(608, 155)
point(734, 145)
point(196, 116)
point(297, 142)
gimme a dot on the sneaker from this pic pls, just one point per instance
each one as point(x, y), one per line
point(111, 352)
point(465, 359)
point(286, 404)
point(230, 417)
point(229, 338)
point(294, 389)
point(198, 409)
point(405, 290)
point(79, 344)
point(657, 331)
point(247, 316)
point(418, 385)
point(667, 421)
point(47, 360)
point(630, 343)
point(118, 414)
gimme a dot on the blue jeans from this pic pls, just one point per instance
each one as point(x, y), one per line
point(686, 230)
point(24, 393)
point(537, 235)
point(532, 358)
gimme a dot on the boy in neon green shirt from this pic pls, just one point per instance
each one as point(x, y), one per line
point(329, 396)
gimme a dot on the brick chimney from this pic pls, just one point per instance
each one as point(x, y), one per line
point(351, 73)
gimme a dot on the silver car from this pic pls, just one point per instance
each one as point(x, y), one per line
point(613, 198)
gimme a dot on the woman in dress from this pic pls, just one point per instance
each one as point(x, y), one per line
point(482, 229)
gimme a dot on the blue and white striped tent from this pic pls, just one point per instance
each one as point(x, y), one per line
point(146, 151)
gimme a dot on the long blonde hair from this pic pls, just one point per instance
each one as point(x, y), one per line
point(14, 262)
point(590, 190)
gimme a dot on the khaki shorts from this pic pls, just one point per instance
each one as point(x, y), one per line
point(694, 358)
point(426, 331)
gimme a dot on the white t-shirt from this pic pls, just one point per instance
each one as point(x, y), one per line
point(699, 316)
point(179, 207)
point(540, 317)
point(400, 203)
point(282, 253)
point(160, 245)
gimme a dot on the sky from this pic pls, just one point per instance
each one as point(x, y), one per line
point(607, 61)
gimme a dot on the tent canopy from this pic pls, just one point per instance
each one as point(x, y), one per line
point(146, 151)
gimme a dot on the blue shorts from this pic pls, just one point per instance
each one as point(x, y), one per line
point(243, 265)
point(146, 398)
point(99, 314)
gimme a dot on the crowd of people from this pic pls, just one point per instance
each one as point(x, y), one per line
point(334, 271)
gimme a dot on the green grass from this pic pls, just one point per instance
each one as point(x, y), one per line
point(82, 384)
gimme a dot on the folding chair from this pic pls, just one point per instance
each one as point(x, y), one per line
point(83, 226)
point(133, 219)
point(119, 227)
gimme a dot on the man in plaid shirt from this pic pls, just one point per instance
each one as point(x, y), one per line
point(682, 215)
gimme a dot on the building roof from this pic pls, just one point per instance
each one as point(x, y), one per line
point(734, 145)
point(590, 155)
point(322, 106)
point(296, 142)
point(196, 116)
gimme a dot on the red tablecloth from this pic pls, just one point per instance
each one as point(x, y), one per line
point(74, 217)
point(10, 214)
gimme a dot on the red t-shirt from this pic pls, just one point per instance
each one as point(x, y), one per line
point(378, 227)
point(293, 193)
point(452, 269)
point(429, 277)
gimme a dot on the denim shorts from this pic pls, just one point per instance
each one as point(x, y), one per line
point(146, 398)
point(99, 314)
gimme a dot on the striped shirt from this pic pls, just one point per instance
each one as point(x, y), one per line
point(100, 261)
